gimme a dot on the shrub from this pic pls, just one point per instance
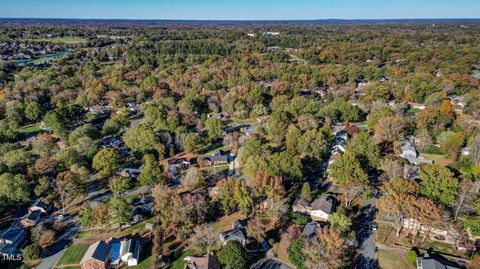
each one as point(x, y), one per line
point(411, 256)
point(295, 252)
point(299, 219)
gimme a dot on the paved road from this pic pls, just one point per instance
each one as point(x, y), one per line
point(366, 236)
point(49, 262)
point(64, 240)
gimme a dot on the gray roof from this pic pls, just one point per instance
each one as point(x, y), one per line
point(310, 229)
point(324, 203)
point(408, 147)
point(418, 160)
point(218, 158)
point(301, 202)
point(269, 263)
point(235, 234)
point(435, 263)
point(99, 251)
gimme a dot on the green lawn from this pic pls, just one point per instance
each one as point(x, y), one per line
point(65, 39)
point(73, 254)
point(413, 110)
point(179, 263)
point(137, 228)
point(29, 129)
point(392, 260)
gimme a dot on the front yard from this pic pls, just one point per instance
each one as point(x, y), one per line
point(388, 259)
point(73, 254)
point(136, 228)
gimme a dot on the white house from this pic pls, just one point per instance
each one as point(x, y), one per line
point(322, 207)
point(130, 252)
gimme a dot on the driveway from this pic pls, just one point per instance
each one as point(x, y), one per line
point(366, 236)
point(64, 240)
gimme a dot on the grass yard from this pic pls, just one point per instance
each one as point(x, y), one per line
point(73, 254)
point(236, 122)
point(223, 168)
point(392, 260)
point(30, 129)
point(413, 110)
point(225, 223)
point(179, 263)
point(438, 159)
point(65, 40)
point(383, 231)
point(137, 228)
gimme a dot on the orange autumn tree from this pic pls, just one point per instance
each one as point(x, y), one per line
point(446, 107)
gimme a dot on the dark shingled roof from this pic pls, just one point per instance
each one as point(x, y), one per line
point(324, 203)
point(435, 263)
point(98, 251)
point(133, 246)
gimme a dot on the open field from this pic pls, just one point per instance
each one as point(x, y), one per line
point(392, 260)
point(73, 254)
point(65, 40)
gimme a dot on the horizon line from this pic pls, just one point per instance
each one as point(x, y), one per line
point(241, 20)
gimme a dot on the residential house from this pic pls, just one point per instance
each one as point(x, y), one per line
point(12, 240)
point(130, 172)
point(111, 142)
point(238, 233)
point(409, 153)
point(411, 172)
point(305, 92)
point(417, 105)
point(208, 261)
point(322, 207)
point(97, 256)
point(133, 107)
point(301, 206)
point(220, 115)
point(435, 262)
point(220, 157)
point(270, 263)
point(250, 131)
point(31, 219)
point(39, 205)
point(99, 110)
point(311, 228)
point(130, 251)
point(458, 102)
point(271, 33)
point(177, 164)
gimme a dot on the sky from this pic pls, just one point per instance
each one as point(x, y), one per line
point(240, 9)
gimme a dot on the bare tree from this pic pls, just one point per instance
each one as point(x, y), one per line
point(204, 236)
point(465, 188)
point(392, 168)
